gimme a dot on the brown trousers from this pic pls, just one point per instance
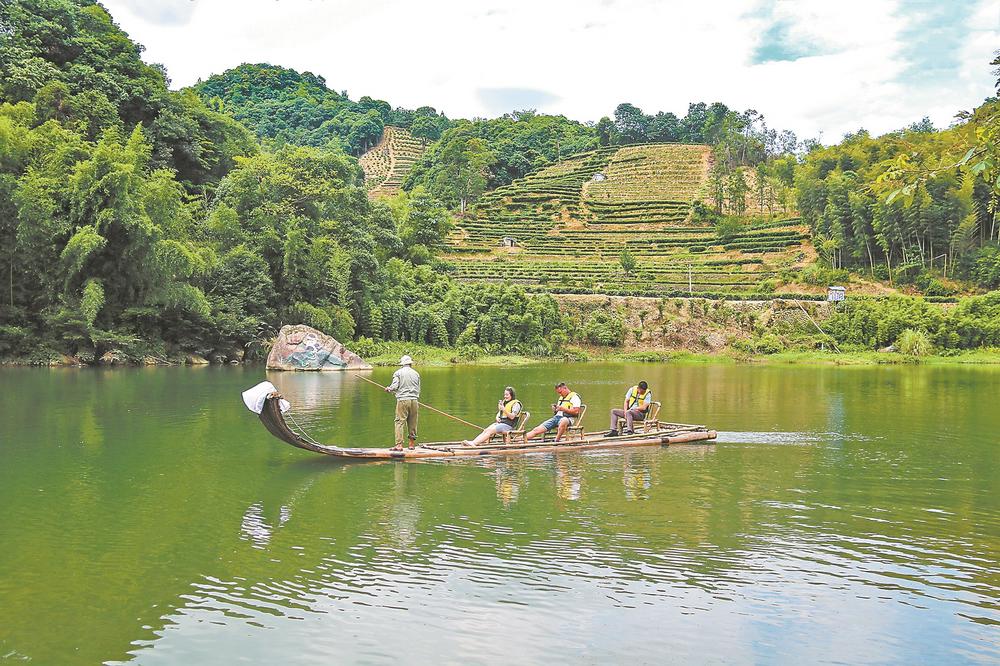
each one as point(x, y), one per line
point(629, 417)
point(406, 421)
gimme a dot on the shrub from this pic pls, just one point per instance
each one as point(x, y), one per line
point(824, 277)
point(702, 214)
point(729, 227)
point(574, 354)
point(557, 339)
point(931, 286)
point(986, 269)
point(975, 322)
point(468, 335)
point(913, 343)
point(769, 343)
point(470, 352)
point(938, 288)
point(366, 347)
point(766, 287)
point(626, 260)
point(877, 323)
point(310, 315)
point(13, 339)
point(741, 345)
point(604, 329)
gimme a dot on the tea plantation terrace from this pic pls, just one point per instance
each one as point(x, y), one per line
point(386, 165)
point(570, 222)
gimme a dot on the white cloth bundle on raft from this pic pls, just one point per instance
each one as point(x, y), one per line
point(254, 398)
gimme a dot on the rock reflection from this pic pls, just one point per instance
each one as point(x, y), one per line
point(311, 391)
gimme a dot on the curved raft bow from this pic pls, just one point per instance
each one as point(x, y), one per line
point(273, 417)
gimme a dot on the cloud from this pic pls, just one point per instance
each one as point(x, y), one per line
point(777, 44)
point(499, 101)
point(807, 65)
point(933, 36)
point(162, 12)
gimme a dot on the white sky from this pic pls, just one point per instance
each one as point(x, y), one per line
point(830, 66)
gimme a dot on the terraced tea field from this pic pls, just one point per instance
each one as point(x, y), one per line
point(571, 221)
point(387, 164)
point(648, 184)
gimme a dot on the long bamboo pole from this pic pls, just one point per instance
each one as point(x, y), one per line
point(455, 418)
point(809, 316)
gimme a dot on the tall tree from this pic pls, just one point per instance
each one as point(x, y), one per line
point(631, 125)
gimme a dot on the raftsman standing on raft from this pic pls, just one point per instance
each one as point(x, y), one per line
point(406, 385)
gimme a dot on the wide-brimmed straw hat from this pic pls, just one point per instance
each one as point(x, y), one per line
point(405, 360)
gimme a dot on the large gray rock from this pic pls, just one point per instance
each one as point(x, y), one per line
point(301, 347)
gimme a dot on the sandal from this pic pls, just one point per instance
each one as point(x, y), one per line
point(398, 447)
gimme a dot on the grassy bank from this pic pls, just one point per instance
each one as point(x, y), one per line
point(388, 353)
point(429, 356)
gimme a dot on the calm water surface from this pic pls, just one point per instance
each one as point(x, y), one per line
point(846, 515)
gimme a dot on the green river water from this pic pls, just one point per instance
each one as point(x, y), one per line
point(845, 515)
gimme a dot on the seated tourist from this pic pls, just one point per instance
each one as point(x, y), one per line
point(508, 409)
point(636, 406)
point(563, 413)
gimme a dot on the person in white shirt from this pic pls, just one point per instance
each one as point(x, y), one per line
point(563, 413)
point(406, 385)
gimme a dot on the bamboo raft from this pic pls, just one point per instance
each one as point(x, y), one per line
point(661, 435)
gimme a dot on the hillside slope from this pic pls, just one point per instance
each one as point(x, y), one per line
point(387, 164)
point(571, 221)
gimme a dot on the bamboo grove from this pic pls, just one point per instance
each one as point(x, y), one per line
point(944, 227)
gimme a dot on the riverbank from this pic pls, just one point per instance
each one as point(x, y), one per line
point(388, 353)
point(429, 356)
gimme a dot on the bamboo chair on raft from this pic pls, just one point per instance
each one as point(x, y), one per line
point(576, 430)
point(517, 433)
point(649, 422)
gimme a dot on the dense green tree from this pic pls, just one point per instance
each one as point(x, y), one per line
point(937, 225)
point(605, 131)
point(426, 222)
point(664, 128)
point(627, 260)
point(76, 42)
point(287, 106)
point(631, 125)
point(458, 173)
point(517, 143)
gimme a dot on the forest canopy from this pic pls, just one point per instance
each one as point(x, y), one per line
point(143, 222)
